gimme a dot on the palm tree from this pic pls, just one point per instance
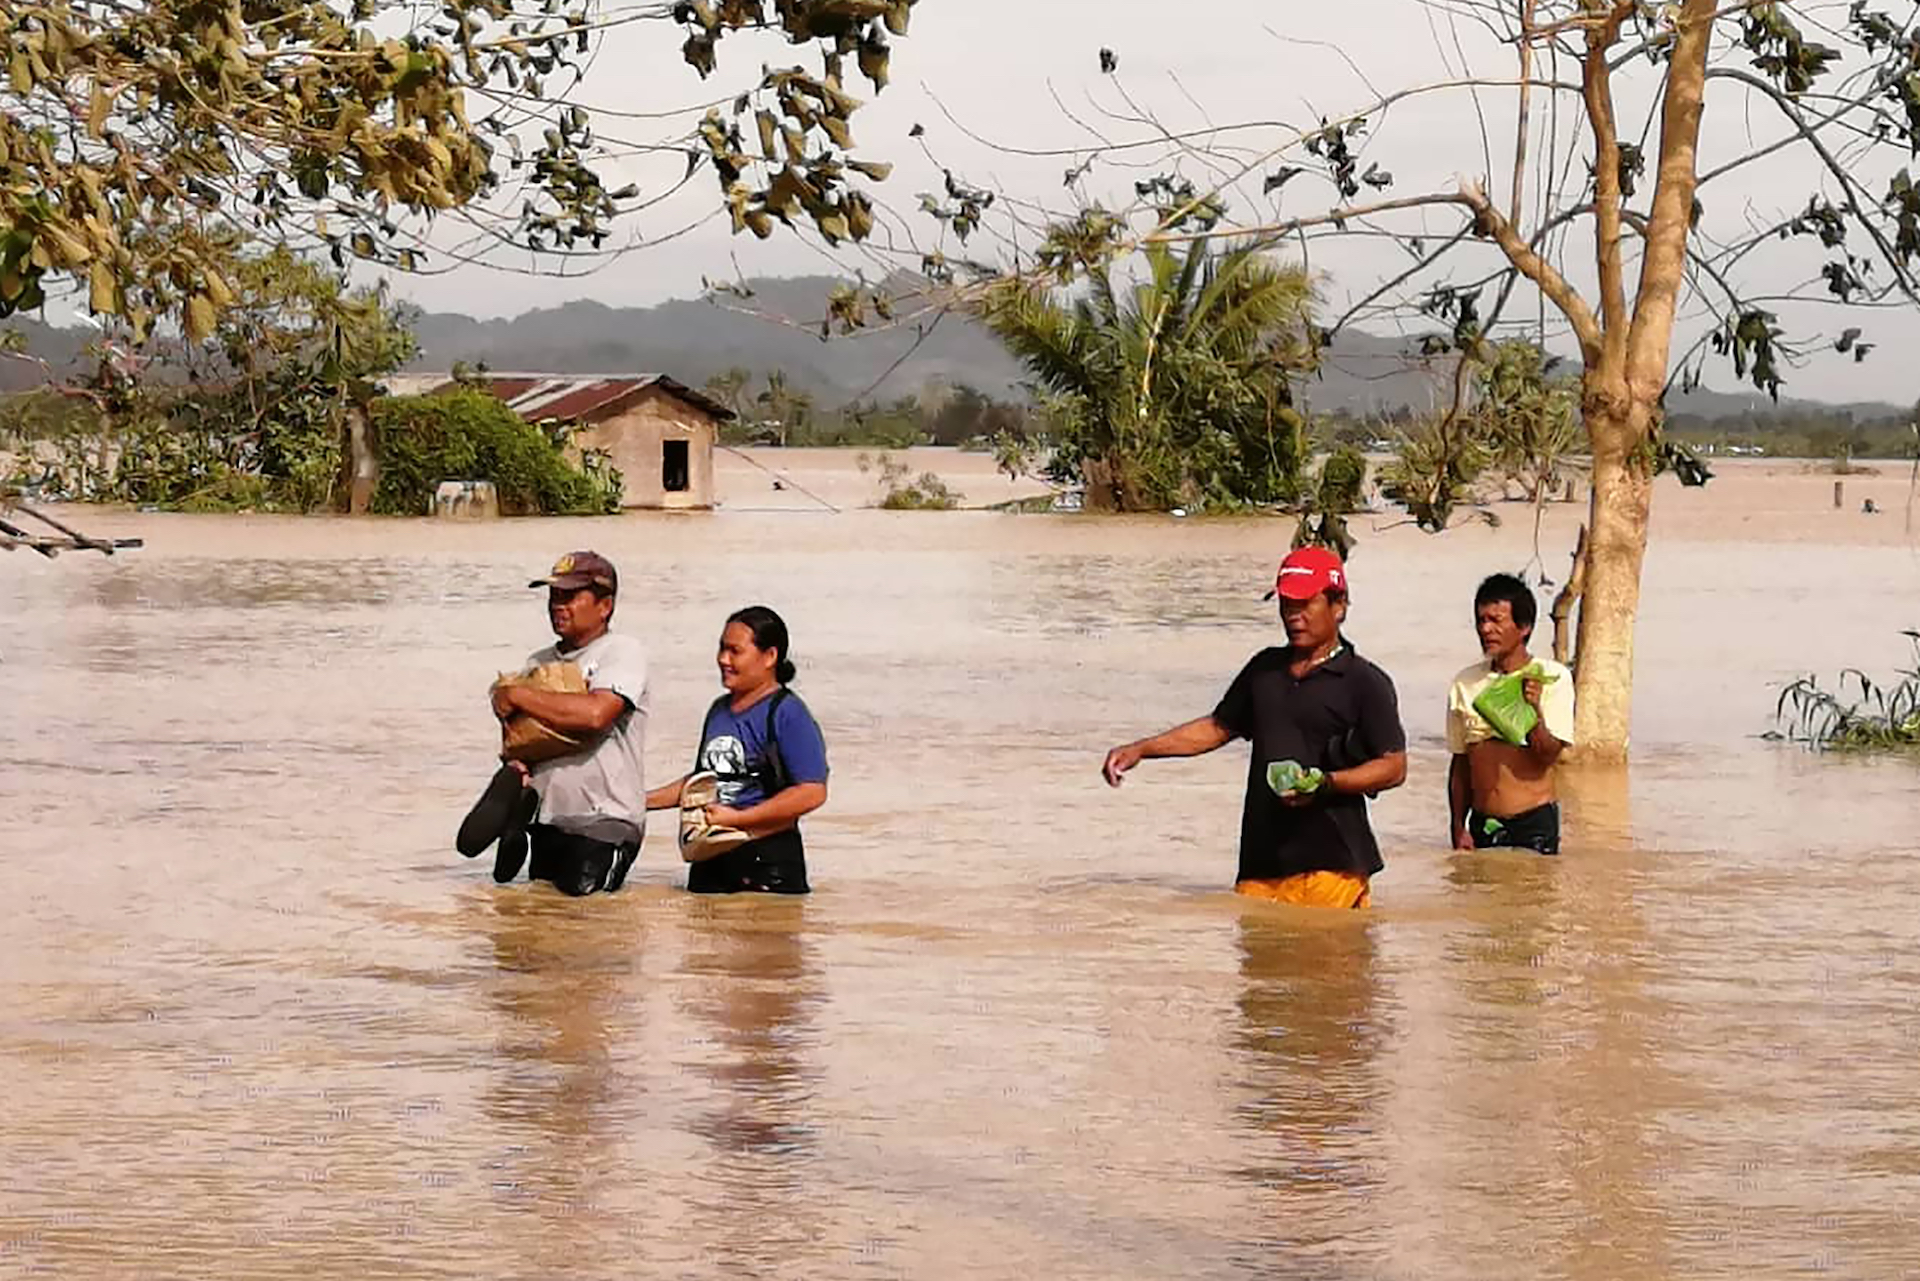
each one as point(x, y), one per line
point(729, 387)
point(787, 410)
point(1176, 390)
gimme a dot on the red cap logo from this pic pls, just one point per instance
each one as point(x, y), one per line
point(1308, 571)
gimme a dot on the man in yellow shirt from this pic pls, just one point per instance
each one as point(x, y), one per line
point(1500, 793)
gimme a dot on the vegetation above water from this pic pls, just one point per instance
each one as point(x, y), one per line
point(1175, 392)
point(264, 416)
point(769, 409)
point(901, 491)
point(1882, 718)
point(423, 440)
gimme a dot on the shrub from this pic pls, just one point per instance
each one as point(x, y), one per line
point(1883, 718)
point(470, 435)
point(928, 493)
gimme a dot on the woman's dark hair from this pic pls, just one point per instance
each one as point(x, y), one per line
point(769, 632)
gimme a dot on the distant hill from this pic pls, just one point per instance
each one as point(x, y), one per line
point(778, 328)
point(62, 349)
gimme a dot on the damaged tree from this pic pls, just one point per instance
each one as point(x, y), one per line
point(1632, 253)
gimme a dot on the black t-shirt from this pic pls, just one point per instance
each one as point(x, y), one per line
point(1341, 714)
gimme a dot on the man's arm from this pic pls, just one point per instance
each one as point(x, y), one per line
point(589, 713)
point(1195, 738)
point(1379, 725)
point(1380, 774)
point(1459, 801)
point(1540, 741)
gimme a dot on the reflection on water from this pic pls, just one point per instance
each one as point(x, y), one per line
point(551, 1083)
point(262, 1022)
point(1310, 1040)
point(750, 982)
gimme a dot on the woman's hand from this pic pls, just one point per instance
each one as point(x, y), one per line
point(723, 815)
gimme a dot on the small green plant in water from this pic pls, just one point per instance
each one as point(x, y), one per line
point(926, 493)
point(1883, 718)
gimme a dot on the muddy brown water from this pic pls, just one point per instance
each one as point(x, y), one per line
point(259, 1019)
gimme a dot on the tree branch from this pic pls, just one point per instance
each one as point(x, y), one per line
point(1586, 327)
point(1597, 90)
point(1663, 264)
point(1344, 214)
point(1848, 188)
point(1526, 101)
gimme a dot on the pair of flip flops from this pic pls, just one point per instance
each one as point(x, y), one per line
point(500, 815)
point(699, 839)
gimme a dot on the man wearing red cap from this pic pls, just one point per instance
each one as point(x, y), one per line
point(1321, 707)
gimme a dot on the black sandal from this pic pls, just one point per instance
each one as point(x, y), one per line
point(491, 815)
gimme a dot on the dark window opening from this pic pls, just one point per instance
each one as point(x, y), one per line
point(674, 477)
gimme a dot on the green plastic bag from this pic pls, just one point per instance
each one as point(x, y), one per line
point(1289, 778)
point(1504, 704)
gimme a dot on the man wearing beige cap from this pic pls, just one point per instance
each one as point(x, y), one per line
point(593, 803)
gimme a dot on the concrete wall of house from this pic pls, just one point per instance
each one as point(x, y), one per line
point(636, 438)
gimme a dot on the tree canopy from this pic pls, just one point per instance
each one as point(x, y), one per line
point(1176, 389)
point(146, 148)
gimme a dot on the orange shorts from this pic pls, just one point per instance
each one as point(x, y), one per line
point(1311, 889)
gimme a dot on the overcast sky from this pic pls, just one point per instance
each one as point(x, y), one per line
point(1025, 74)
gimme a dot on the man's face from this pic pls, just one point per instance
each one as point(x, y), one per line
point(1499, 634)
point(578, 614)
point(1313, 622)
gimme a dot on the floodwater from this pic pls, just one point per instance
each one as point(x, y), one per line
point(260, 1020)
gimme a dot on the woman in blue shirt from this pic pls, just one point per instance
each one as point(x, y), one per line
point(767, 752)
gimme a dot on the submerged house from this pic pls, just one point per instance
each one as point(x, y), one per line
point(659, 432)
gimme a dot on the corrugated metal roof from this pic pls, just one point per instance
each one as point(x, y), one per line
point(570, 399)
point(575, 397)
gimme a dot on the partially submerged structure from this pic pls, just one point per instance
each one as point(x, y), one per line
point(63, 538)
point(659, 432)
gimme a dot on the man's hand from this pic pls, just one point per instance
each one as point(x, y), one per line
point(722, 815)
point(1119, 761)
point(1300, 800)
point(503, 704)
point(1530, 690)
point(1462, 839)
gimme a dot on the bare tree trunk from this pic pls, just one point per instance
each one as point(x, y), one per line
point(1100, 484)
point(1621, 502)
point(362, 463)
point(1620, 399)
point(1569, 596)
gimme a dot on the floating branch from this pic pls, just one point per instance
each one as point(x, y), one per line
point(64, 539)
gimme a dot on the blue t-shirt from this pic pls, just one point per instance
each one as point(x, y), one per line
point(734, 746)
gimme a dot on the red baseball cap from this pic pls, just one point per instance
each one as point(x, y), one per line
point(1308, 571)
